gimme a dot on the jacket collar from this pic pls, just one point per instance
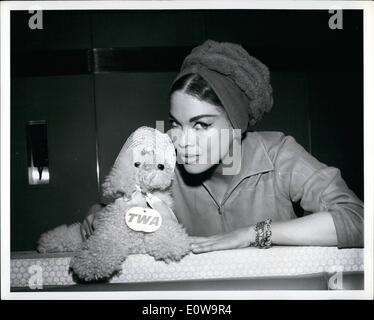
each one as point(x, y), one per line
point(255, 158)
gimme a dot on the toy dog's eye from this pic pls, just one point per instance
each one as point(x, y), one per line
point(161, 166)
point(137, 164)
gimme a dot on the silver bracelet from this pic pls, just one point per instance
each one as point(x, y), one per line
point(263, 234)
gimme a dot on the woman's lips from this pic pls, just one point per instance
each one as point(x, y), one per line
point(189, 155)
point(189, 158)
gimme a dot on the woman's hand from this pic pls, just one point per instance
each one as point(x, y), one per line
point(239, 238)
point(87, 225)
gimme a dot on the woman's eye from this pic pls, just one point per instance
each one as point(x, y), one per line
point(173, 123)
point(201, 125)
point(137, 164)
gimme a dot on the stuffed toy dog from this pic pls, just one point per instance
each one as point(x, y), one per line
point(142, 174)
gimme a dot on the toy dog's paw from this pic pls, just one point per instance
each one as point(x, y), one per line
point(169, 243)
point(82, 267)
point(89, 269)
point(99, 259)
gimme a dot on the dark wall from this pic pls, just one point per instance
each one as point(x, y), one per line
point(336, 116)
point(96, 76)
point(66, 103)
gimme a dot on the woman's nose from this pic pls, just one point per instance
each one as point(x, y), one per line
point(186, 138)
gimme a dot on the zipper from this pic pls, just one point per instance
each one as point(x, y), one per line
point(219, 207)
point(220, 210)
point(215, 201)
point(225, 198)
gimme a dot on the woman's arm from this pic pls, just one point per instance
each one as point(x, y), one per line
point(316, 229)
point(337, 213)
point(319, 188)
point(313, 230)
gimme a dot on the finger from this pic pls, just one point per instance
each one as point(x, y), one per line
point(87, 227)
point(83, 232)
point(213, 246)
point(204, 244)
point(89, 219)
point(95, 223)
point(89, 223)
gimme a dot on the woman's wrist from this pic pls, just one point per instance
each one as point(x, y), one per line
point(260, 234)
point(251, 235)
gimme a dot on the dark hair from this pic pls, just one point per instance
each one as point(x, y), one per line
point(195, 85)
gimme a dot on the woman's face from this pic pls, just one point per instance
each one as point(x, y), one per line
point(200, 131)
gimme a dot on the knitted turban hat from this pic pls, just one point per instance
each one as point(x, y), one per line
point(241, 82)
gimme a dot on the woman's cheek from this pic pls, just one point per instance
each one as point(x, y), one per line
point(183, 138)
point(212, 146)
point(204, 159)
point(174, 136)
point(225, 146)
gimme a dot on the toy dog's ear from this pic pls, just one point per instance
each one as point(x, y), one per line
point(169, 150)
point(121, 179)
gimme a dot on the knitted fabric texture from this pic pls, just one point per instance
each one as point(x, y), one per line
point(150, 139)
point(228, 67)
point(153, 145)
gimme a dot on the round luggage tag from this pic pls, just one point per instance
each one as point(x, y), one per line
point(143, 219)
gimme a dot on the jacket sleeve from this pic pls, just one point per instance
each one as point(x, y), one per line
point(301, 177)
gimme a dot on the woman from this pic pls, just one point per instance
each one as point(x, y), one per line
point(234, 188)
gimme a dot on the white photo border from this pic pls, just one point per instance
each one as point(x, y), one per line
point(368, 12)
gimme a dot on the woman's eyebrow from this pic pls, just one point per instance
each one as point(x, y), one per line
point(171, 117)
point(203, 116)
point(193, 119)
